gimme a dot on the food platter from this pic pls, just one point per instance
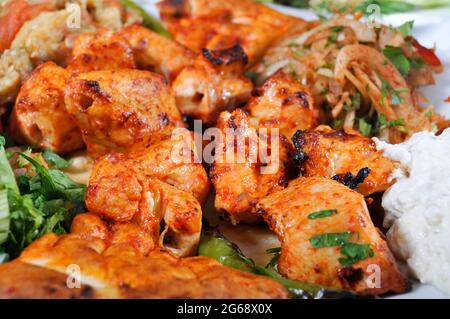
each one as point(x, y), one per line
point(431, 27)
point(124, 127)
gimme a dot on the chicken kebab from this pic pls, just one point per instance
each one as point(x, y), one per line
point(120, 87)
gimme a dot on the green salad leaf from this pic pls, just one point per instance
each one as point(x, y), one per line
point(4, 216)
point(398, 59)
point(40, 201)
point(54, 160)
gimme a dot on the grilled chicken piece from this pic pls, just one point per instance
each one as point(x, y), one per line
point(101, 50)
point(157, 53)
point(333, 154)
point(216, 25)
point(214, 83)
point(153, 190)
point(170, 216)
point(241, 180)
point(283, 103)
point(91, 226)
point(121, 110)
point(173, 161)
point(112, 270)
point(288, 213)
point(39, 116)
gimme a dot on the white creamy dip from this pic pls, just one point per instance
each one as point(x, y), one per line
point(417, 206)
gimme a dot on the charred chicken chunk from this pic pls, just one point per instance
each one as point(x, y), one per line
point(283, 103)
point(173, 161)
point(156, 52)
point(101, 50)
point(214, 83)
point(169, 215)
point(335, 154)
point(39, 116)
point(121, 110)
point(249, 174)
point(327, 238)
point(153, 190)
point(200, 24)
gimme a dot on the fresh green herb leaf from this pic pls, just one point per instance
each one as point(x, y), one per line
point(329, 239)
point(21, 161)
point(364, 127)
point(395, 98)
point(381, 119)
point(335, 31)
point(47, 202)
point(354, 253)
point(7, 179)
point(397, 122)
point(386, 90)
point(406, 28)
point(322, 213)
point(298, 53)
point(429, 113)
point(398, 59)
point(54, 160)
point(322, 18)
point(356, 100)
point(4, 216)
point(337, 123)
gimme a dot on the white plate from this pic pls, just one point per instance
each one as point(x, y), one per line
point(431, 28)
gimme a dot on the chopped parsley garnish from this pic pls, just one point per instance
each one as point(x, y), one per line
point(298, 53)
point(322, 213)
point(333, 38)
point(429, 113)
point(398, 59)
point(386, 90)
point(382, 121)
point(364, 127)
point(356, 100)
point(329, 239)
point(397, 122)
point(353, 252)
point(406, 28)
